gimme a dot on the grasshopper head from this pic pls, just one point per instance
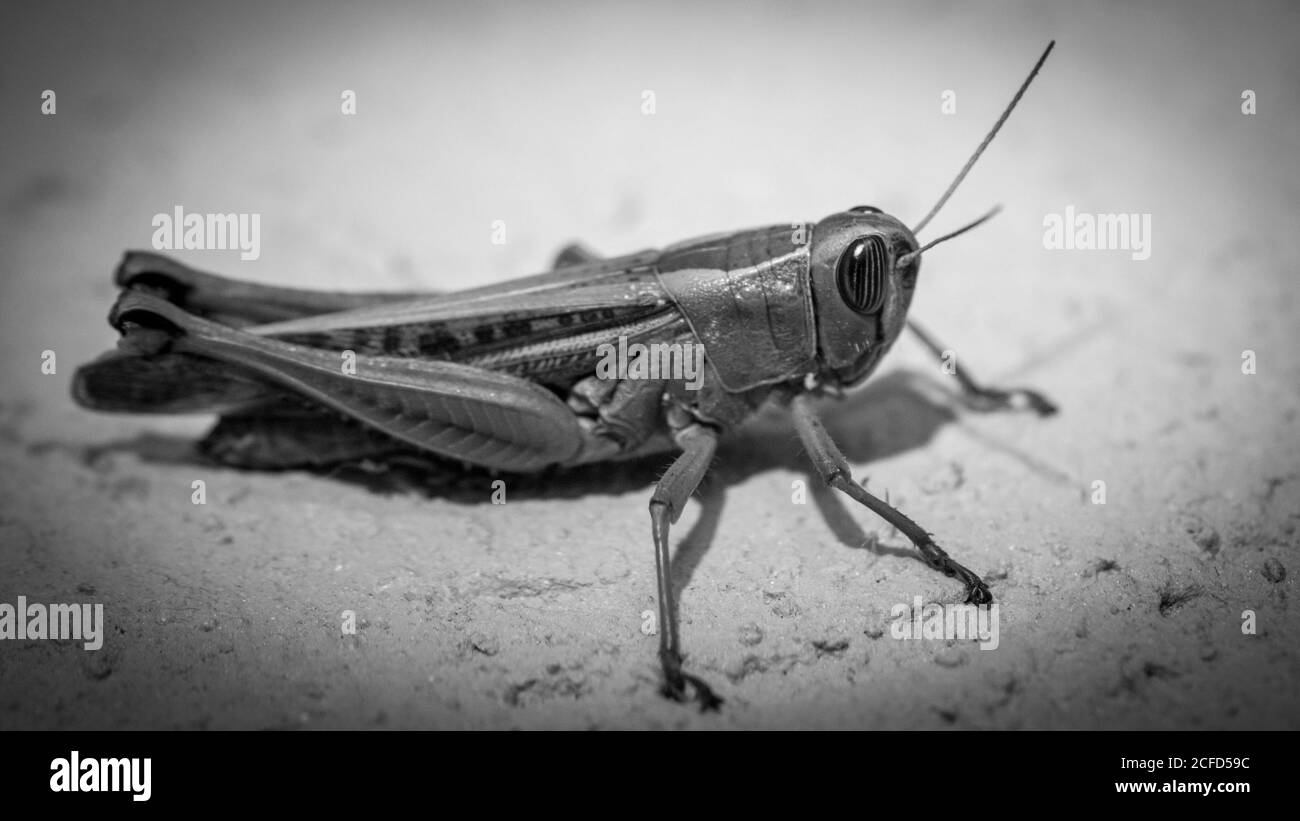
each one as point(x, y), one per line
point(864, 265)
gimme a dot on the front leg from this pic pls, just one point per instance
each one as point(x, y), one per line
point(834, 469)
point(984, 398)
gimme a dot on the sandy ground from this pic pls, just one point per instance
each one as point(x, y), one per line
point(528, 614)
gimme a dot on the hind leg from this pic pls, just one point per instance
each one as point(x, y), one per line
point(231, 301)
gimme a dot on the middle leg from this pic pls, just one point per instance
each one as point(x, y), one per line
point(575, 254)
point(698, 444)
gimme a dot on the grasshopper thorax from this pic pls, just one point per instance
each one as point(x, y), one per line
point(861, 287)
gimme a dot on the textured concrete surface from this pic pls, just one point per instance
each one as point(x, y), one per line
point(528, 614)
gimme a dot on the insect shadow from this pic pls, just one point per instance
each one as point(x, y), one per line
point(899, 411)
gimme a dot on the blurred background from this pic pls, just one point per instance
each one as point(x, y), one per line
point(536, 115)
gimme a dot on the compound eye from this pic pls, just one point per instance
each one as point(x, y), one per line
point(861, 274)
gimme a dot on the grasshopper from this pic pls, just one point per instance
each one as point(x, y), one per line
point(504, 377)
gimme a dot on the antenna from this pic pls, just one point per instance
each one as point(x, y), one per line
point(907, 258)
point(971, 162)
